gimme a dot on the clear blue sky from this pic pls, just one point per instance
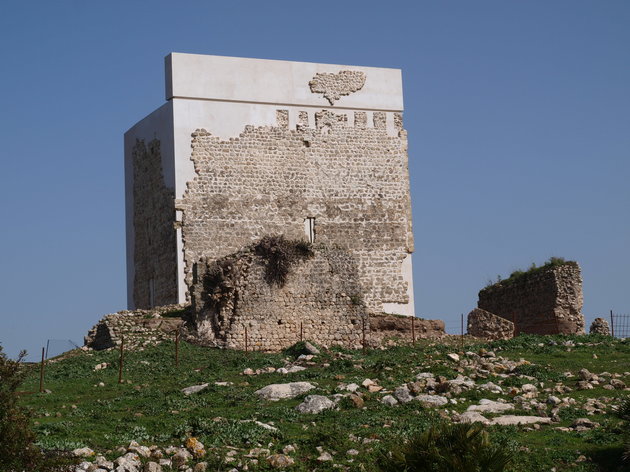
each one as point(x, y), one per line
point(518, 115)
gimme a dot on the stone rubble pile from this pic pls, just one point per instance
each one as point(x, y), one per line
point(140, 328)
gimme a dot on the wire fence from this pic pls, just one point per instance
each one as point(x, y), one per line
point(619, 325)
point(56, 347)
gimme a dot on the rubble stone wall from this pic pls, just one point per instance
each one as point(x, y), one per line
point(385, 328)
point(483, 324)
point(351, 178)
point(321, 297)
point(320, 301)
point(543, 302)
point(155, 249)
point(139, 328)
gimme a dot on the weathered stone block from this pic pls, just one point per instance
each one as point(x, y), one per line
point(483, 324)
point(545, 301)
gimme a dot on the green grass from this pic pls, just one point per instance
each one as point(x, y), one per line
point(150, 408)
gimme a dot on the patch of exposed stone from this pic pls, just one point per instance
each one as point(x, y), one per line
point(155, 249)
point(335, 86)
point(351, 179)
point(140, 328)
point(542, 302)
point(483, 324)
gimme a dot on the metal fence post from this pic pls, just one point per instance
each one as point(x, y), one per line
point(177, 348)
point(363, 330)
point(612, 324)
point(246, 346)
point(301, 332)
point(413, 330)
point(41, 372)
point(120, 361)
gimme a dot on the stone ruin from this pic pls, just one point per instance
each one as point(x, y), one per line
point(483, 324)
point(600, 326)
point(546, 300)
point(276, 292)
point(139, 328)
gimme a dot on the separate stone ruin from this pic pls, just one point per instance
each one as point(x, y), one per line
point(483, 324)
point(600, 326)
point(544, 300)
point(281, 291)
point(140, 328)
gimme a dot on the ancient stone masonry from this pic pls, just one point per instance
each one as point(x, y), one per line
point(483, 324)
point(600, 326)
point(352, 182)
point(545, 301)
point(140, 328)
point(391, 329)
point(320, 299)
point(155, 255)
point(335, 86)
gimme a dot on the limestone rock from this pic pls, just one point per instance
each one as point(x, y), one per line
point(275, 392)
point(280, 461)
point(310, 348)
point(194, 389)
point(472, 417)
point(507, 420)
point(402, 394)
point(430, 401)
point(490, 406)
point(315, 404)
point(389, 400)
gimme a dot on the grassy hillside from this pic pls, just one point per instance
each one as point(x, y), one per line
point(150, 408)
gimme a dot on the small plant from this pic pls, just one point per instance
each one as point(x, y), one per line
point(519, 274)
point(450, 448)
point(356, 299)
point(17, 449)
point(280, 254)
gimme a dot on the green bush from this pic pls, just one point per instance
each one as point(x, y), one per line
point(17, 449)
point(449, 448)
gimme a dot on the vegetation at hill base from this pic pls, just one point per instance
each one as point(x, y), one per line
point(87, 407)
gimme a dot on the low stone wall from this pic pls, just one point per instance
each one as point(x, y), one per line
point(385, 328)
point(541, 302)
point(483, 324)
point(139, 328)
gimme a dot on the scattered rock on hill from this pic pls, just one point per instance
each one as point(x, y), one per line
point(315, 404)
point(275, 392)
point(194, 389)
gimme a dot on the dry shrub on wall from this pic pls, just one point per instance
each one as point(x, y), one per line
point(17, 451)
point(280, 255)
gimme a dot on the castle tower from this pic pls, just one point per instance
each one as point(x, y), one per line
point(245, 148)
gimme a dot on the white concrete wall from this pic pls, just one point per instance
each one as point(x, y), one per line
point(275, 82)
point(158, 124)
